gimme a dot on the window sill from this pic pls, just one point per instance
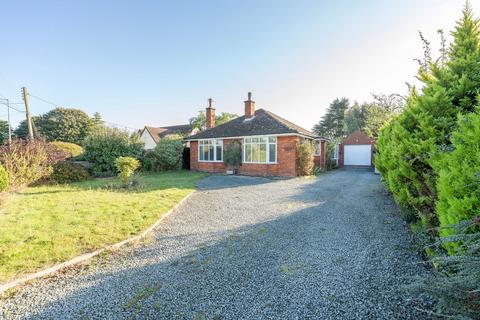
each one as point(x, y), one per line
point(259, 162)
point(213, 161)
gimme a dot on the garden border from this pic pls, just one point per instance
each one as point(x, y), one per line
point(87, 256)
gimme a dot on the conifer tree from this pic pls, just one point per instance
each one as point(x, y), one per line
point(420, 136)
point(332, 124)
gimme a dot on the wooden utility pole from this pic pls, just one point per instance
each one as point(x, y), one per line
point(27, 111)
point(9, 124)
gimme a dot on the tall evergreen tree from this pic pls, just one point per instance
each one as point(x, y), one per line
point(97, 120)
point(413, 144)
point(332, 124)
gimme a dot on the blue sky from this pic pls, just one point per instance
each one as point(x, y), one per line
point(157, 63)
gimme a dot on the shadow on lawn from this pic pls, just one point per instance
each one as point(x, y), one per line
point(299, 265)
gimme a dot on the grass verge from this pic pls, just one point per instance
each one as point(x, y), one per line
point(44, 225)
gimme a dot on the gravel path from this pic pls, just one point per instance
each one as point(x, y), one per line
point(323, 248)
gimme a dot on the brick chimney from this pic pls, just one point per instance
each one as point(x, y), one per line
point(249, 107)
point(210, 113)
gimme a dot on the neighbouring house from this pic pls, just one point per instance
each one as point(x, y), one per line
point(268, 142)
point(356, 150)
point(152, 135)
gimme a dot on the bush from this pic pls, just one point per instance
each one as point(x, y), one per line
point(126, 166)
point(316, 171)
point(232, 155)
point(3, 179)
point(66, 172)
point(455, 283)
point(305, 152)
point(27, 162)
point(150, 161)
point(331, 146)
point(105, 145)
point(71, 148)
point(459, 176)
point(169, 153)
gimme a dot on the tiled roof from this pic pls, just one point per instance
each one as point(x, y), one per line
point(263, 123)
point(159, 132)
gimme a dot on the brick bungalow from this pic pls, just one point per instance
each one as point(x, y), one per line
point(268, 143)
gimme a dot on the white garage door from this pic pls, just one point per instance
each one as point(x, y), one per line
point(358, 155)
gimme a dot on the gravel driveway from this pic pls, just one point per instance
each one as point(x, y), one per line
point(330, 247)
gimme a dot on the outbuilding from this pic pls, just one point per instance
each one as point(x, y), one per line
point(356, 150)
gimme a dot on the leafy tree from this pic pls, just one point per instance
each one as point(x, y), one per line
point(376, 116)
point(392, 103)
point(355, 118)
point(332, 123)
point(370, 117)
point(21, 131)
point(200, 121)
point(3, 131)
point(62, 124)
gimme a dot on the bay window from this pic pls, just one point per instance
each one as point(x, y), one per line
point(260, 150)
point(210, 150)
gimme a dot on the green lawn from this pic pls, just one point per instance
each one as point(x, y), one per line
point(45, 225)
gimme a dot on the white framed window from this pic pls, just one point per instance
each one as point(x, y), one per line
point(262, 149)
point(318, 147)
point(210, 150)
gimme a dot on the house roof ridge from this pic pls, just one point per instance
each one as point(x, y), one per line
point(290, 125)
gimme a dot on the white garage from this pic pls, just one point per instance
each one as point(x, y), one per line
point(357, 155)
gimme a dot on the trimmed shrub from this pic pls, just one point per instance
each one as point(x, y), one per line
point(169, 153)
point(71, 148)
point(305, 152)
point(28, 162)
point(459, 176)
point(126, 166)
point(232, 154)
point(105, 145)
point(66, 172)
point(3, 179)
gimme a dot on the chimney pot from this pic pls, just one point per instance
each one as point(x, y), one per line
point(210, 114)
point(249, 107)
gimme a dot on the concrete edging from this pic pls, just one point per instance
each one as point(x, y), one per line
point(87, 256)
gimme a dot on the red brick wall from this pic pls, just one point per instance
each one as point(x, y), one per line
point(212, 167)
point(285, 166)
point(286, 160)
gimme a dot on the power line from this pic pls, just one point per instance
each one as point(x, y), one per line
point(58, 106)
point(8, 105)
point(46, 101)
